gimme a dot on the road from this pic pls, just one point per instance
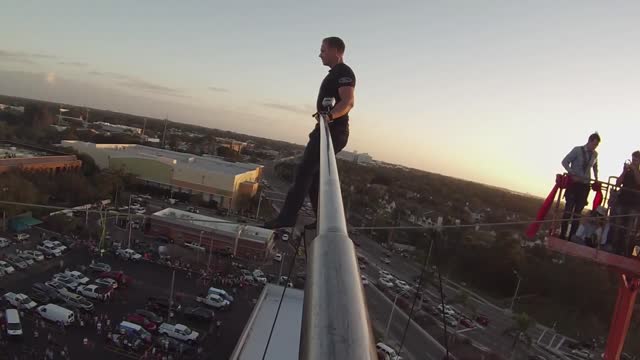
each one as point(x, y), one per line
point(418, 343)
point(491, 337)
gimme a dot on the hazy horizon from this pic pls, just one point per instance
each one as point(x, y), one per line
point(492, 92)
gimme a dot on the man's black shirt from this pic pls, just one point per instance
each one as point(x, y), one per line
point(340, 75)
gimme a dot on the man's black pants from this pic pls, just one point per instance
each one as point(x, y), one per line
point(307, 177)
point(576, 199)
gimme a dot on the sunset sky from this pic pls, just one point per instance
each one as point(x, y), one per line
point(492, 91)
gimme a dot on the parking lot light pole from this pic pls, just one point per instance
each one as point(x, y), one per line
point(173, 280)
point(513, 301)
point(386, 331)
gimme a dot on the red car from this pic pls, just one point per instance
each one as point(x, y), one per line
point(118, 276)
point(466, 323)
point(482, 320)
point(142, 321)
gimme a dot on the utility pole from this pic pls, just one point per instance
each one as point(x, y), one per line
point(280, 272)
point(515, 295)
point(259, 203)
point(173, 280)
point(164, 132)
point(130, 225)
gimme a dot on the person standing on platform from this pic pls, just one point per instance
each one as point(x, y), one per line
point(579, 163)
point(338, 85)
point(626, 203)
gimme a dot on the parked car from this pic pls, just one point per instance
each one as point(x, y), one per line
point(466, 323)
point(246, 275)
point(142, 321)
point(99, 267)
point(194, 210)
point(277, 257)
point(150, 315)
point(179, 331)
point(198, 314)
point(385, 282)
point(172, 345)
point(35, 254)
point(214, 300)
point(364, 279)
point(47, 290)
point(386, 260)
point(107, 282)
point(118, 276)
point(70, 283)
point(26, 258)
point(95, 291)
point(16, 262)
point(78, 276)
point(57, 286)
point(6, 267)
point(49, 250)
point(402, 285)
point(4, 242)
point(258, 276)
point(40, 298)
point(20, 301)
point(161, 305)
point(128, 254)
point(76, 301)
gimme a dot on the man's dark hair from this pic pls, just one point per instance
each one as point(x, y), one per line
point(335, 42)
point(594, 136)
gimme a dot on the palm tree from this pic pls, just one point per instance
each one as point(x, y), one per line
point(522, 323)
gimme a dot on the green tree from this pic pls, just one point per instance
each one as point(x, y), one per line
point(522, 323)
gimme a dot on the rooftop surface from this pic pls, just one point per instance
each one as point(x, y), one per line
point(14, 151)
point(285, 341)
point(172, 157)
point(218, 225)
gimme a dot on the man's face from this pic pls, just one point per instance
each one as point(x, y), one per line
point(635, 160)
point(592, 145)
point(328, 55)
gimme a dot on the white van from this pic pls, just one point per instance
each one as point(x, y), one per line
point(14, 327)
point(223, 294)
point(57, 314)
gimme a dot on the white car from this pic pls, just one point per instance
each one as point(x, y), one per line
point(364, 279)
point(77, 275)
point(49, 248)
point(6, 267)
point(402, 285)
point(4, 242)
point(107, 282)
point(277, 258)
point(37, 255)
point(20, 301)
point(128, 254)
point(385, 274)
point(69, 282)
point(59, 245)
point(258, 276)
point(386, 260)
point(94, 291)
point(448, 310)
point(285, 237)
point(22, 237)
point(385, 282)
point(246, 275)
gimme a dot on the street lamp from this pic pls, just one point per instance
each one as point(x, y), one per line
point(517, 288)
point(386, 331)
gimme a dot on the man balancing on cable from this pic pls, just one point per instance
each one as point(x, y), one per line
point(339, 84)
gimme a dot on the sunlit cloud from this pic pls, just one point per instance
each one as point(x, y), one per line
point(135, 83)
point(73, 63)
point(22, 57)
point(217, 89)
point(290, 108)
point(51, 77)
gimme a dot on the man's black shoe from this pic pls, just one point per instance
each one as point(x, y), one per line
point(312, 226)
point(276, 224)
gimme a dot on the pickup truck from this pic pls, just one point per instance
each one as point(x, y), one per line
point(128, 254)
point(179, 331)
point(20, 301)
point(214, 301)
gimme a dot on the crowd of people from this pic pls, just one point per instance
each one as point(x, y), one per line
point(611, 226)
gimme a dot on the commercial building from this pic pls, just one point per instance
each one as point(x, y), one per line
point(29, 158)
point(215, 179)
point(285, 340)
point(360, 158)
point(215, 235)
point(118, 129)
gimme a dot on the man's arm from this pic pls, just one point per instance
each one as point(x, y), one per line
point(346, 103)
point(570, 158)
point(595, 169)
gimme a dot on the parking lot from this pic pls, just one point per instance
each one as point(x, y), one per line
point(149, 280)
